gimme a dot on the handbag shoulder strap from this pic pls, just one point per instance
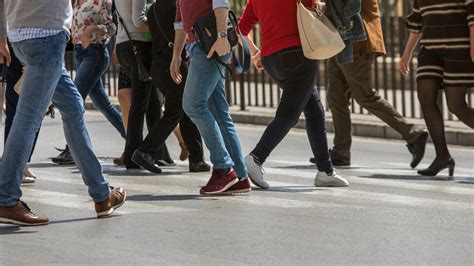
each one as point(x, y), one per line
point(134, 48)
point(247, 58)
point(239, 68)
point(158, 24)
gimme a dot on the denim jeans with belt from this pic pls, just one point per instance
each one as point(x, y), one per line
point(46, 78)
point(91, 64)
point(205, 103)
point(296, 76)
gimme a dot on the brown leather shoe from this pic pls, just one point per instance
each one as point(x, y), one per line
point(20, 214)
point(107, 207)
point(119, 161)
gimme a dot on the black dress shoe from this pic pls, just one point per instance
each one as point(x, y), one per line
point(147, 161)
point(433, 171)
point(199, 167)
point(417, 148)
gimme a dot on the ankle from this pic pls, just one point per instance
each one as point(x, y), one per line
point(256, 160)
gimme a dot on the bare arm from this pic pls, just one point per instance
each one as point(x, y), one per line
point(4, 51)
point(410, 46)
point(179, 43)
point(221, 47)
point(255, 52)
point(471, 39)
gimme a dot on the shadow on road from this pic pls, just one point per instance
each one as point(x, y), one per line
point(78, 220)
point(150, 197)
point(408, 177)
point(45, 165)
point(14, 230)
point(289, 189)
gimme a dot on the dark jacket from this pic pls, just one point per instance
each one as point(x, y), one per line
point(354, 32)
point(162, 12)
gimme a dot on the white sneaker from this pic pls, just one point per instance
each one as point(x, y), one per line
point(28, 177)
point(324, 180)
point(255, 172)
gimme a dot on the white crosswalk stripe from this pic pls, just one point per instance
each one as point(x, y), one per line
point(176, 182)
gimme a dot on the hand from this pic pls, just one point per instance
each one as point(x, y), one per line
point(221, 47)
point(5, 56)
point(257, 61)
point(320, 5)
point(114, 59)
point(404, 65)
point(86, 38)
point(472, 48)
point(175, 69)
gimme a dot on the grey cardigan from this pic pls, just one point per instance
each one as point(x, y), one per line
point(132, 12)
point(47, 14)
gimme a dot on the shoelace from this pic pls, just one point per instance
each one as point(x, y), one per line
point(51, 112)
point(63, 151)
point(26, 207)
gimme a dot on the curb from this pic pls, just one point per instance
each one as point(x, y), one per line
point(362, 125)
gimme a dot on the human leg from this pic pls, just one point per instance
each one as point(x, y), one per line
point(101, 100)
point(220, 110)
point(13, 75)
point(359, 77)
point(456, 99)
point(36, 94)
point(202, 79)
point(91, 64)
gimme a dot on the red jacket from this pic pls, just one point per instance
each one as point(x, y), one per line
point(278, 23)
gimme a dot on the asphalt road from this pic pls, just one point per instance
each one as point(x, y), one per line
point(388, 215)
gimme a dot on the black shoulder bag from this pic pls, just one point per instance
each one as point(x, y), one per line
point(143, 73)
point(205, 30)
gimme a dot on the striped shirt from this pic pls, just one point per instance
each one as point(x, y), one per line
point(442, 24)
point(21, 34)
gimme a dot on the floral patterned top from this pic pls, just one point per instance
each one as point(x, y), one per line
point(93, 12)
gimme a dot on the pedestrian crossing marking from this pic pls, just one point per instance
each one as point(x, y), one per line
point(256, 198)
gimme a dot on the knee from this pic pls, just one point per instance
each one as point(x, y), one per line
point(193, 107)
point(173, 117)
point(290, 116)
point(122, 97)
point(70, 111)
point(457, 108)
point(366, 98)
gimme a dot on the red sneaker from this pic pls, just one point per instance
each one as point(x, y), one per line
point(243, 186)
point(220, 181)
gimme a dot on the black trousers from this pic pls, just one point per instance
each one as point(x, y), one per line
point(173, 114)
point(145, 100)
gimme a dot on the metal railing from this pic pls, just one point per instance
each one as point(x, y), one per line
point(256, 89)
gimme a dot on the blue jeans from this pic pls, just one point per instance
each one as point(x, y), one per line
point(14, 72)
point(91, 64)
point(46, 78)
point(296, 76)
point(205, 103)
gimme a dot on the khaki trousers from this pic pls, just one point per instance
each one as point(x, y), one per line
point(354, 80)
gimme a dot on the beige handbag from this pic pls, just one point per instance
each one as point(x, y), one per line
point(319, 38)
